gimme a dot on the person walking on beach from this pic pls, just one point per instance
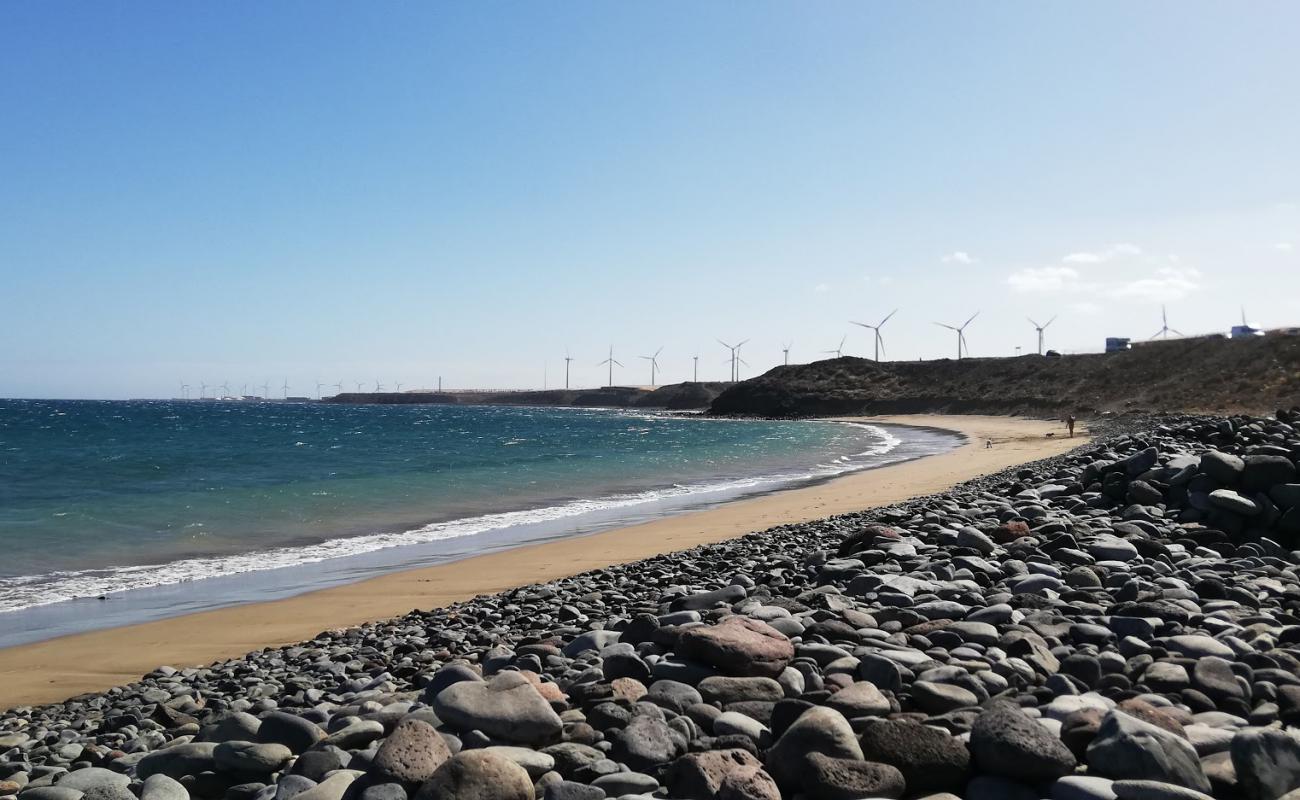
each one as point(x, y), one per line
point(1069, 423)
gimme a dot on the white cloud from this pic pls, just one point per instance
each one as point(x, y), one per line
point(960, 257)
point(822, 288)
point(1284, 247)
point(1167, 284)
point(1102, 256)
point(1119, 272)
point(1044, 279)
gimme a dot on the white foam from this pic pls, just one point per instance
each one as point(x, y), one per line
point(27, 591)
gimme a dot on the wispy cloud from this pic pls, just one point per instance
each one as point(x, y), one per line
point(960, 257)
point(822, 288)
point(1045, 279)
point(1102, 256)
point(1119, 272)
point(1284, 247)
point(1167, 284)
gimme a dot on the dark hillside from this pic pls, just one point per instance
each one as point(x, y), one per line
point(1201, 374)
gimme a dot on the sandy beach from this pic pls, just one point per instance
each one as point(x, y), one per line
point(59, 668)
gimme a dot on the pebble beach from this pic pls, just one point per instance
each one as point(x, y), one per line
point(1121, 620)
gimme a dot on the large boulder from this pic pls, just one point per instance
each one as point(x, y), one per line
point(738, 646)
point(931, 760)
point(1009, 744)
point(1125, 747)
point(847, 779)
point(410, 755)
point(718, 774)
point(478, 775)
point(1267, 763)
point(818, 730)
point(508, 707)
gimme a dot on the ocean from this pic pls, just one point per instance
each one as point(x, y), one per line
point(169, 507)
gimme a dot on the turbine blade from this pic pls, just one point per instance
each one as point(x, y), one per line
point(863, 324)
point(972, 319)
point(886, 319)
point(949, 327)
point(1031, 322)
point(1049, 322)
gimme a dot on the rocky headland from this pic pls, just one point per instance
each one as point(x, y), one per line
point(1122, 622)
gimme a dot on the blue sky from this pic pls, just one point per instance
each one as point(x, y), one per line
point(249, 192)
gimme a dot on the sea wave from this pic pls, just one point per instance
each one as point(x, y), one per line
point(28, 591)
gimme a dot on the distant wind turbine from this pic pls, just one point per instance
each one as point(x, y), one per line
point(654, 364)
point(567, 360)
point(185, 391)
point(785, 349)
point(398, 385)
point(318, 387)
point(838, 351)
point(1165, 330)
point(379, 387)
point(266, 391)
point(243, 390)
point(203, 390)
point(880, 340)
point(961, 334)
point(736, 360)
point(695, 374)
point(338, 387)
point(1040, 329)
point(225, 389)
point(611, 362)
point(286, 388)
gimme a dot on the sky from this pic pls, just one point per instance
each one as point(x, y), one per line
point(304, 192)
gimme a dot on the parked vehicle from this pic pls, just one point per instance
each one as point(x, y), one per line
point(1245, 331)
point(1115, 344)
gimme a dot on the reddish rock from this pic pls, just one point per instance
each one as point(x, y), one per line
point(721, 775)
point(738, 646)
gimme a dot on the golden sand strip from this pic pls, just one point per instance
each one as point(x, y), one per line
point(60, 668)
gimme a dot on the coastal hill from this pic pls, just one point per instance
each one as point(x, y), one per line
point(675, 396)
point(1195, 374)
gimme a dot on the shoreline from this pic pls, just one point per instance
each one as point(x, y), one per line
point(54, 669)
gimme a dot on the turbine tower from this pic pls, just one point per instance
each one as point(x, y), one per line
point(318, 385)
point(785, 349)
point(611, 362)
point(203, 390)
point(338, 387)
point(880, 340)
point(225, 389)
point(567, 359)
point(398, 385)
point(1040, 329)
point(735, 358)
point(654, 365)
point(379, 387)
point(1165, 330)
point(838, 351)
point(185, 391)
point(695, 373)
point(286, 388)
point(266, 391)
point(961, 334)
point(358, 383)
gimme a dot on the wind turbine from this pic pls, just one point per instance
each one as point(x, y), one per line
point(286, 388)
point(838, 351)
point(735, 358)
point(203, 390)
point(1040, 329)
point(785, 348)
point(961, 334)
point(185, 391)
point(243, 390)
point(654, 365)
point(266, 391)
point(338, 387)
point(567, 359)
point(880, 340)
point(1165, 330)
point(318, 385)
point(398, 385)
point(379, 387)
point(225, 389)
point(611, 362)
point(358, 383)
point(695, 374)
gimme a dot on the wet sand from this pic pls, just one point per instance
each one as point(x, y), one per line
point(56, 669)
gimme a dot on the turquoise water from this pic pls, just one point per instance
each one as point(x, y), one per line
point(106, 497)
